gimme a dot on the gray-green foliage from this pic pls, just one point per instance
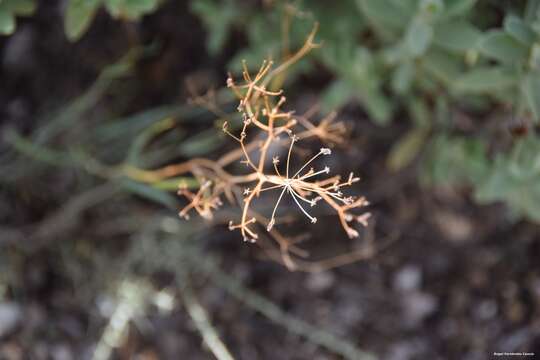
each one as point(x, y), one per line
point(515, 179)
point(80, 13)
point(421, 56)
point(409, 48)
point(512, 177)
point(9, 9)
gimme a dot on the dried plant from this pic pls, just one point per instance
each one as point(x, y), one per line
point(266, 128)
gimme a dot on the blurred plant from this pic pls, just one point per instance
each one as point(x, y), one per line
point(412, 48)
point(9, 9)
point(80, 13)
point(513, 177)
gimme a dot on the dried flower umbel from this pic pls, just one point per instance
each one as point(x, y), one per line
point(304, 186)
point(266, 127)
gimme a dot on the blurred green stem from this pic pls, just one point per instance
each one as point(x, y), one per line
point(201, 319)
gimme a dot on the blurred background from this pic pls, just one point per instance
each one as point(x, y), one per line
point(442, 99)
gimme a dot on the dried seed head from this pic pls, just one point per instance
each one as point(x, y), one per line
point(326, 151)
point(260, 110)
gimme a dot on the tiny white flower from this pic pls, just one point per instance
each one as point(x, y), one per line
point(270, 225)
point(326, 151)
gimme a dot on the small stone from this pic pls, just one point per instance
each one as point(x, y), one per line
point(408, 278)
point(11, 351)
point(417, 306)
point(10, 316)
point(456, 227)
point(486, 310)
point(61, 352)
point(319, 282)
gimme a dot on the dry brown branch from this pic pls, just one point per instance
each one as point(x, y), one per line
point(267, 129)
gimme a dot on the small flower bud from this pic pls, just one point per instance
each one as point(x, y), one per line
point(363, 219)
point(352, 233)
point(270, 225)
point(326, 151)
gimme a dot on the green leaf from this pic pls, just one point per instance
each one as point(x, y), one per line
point(531, 11)
point(406, 149)
point(515, 179)
point(130, 9)
point(457, 35)
point(378, 106)
point(458, 7)
point(336, 95)
point(9, 9)
point(383, 13)
point(485, 79)
point(500, 46)
point(145, 137)
point(531, 90)
point(419, 112)
point(408, 7)
point(441, 65)
point(534, 58)
point(402, 77)
point(201, 144)
point(455, 160)
point(7, 22)
point(418, 37)
point(218, 17)
point(519, 30)
point(431, 8)
point(129, 126)
point(150, 193)
point(78, 17)
point(19, 7)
